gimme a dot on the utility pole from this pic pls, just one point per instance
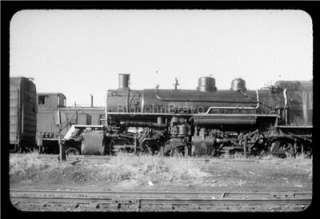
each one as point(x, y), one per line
point(245, 145)
point(135, 142)
point(62, 155)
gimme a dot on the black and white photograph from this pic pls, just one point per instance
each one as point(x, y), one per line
point(167, 110)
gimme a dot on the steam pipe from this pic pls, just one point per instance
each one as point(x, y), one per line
point(285, 106)
point(106, 111)
point(143, 124)
point(285, 97)
point(128, 100)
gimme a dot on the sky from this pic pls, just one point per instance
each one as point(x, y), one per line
point(81, 52)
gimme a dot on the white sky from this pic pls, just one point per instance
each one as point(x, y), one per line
point(81, 52)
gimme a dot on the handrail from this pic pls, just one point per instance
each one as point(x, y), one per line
point(236, 107)
point(197, 100)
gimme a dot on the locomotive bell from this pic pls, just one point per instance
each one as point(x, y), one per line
point(206, 84)
point(238, 84)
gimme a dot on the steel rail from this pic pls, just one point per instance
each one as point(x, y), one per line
point(222, 194)
point(159, 201)
point(73, 158)
point(107, 157)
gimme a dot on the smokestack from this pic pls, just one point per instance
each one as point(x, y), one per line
point(124, 81)
point(91, 102)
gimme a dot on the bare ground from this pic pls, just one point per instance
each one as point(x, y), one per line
point(127, 172)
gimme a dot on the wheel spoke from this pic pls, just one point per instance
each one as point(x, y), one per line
point(72, 151)
point(282, 149)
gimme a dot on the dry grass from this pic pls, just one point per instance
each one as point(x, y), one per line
point(141, 169)
point(30, 167)
point(28, 162)
point(146, 170)
point(151, 169)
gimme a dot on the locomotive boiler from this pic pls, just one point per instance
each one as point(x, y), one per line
point(206, 120)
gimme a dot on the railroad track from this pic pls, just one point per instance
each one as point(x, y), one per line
point(108, 157)
point(49, 200)
point(72, 157)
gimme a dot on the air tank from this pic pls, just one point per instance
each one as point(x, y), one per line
point(174, 120)
point(160, 120)
point(206, 84)
point(238, 84)
point(124, 81)
point(182, 130)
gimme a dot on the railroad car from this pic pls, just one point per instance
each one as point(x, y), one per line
point(23, 114)
point(54, 119)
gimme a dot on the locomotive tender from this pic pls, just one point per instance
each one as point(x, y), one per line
point(206, 120)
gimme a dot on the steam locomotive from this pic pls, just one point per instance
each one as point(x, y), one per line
point(276, 119)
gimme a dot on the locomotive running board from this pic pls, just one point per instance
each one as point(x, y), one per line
point(186, 114)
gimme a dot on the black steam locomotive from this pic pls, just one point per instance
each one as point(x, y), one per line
point(276, 119)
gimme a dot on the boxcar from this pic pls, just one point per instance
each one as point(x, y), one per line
point(23, 114)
